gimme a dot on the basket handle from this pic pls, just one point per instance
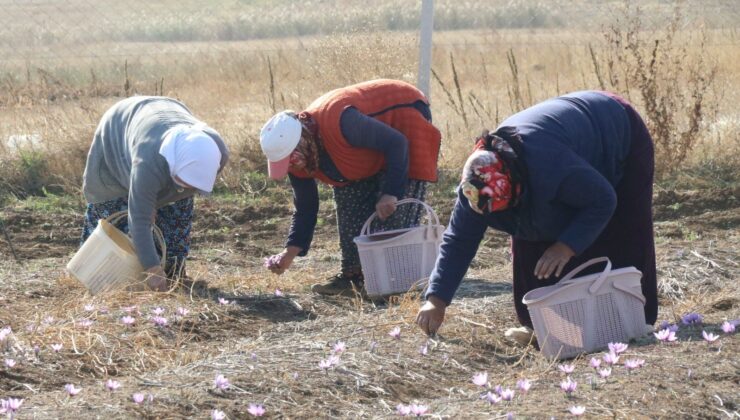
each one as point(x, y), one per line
point(433, 219)
point(602, 277)
point(158, 236)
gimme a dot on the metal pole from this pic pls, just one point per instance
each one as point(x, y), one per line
point(10, 243)
point(425, 46)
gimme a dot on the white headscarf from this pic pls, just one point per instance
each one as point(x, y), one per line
point(192, 156)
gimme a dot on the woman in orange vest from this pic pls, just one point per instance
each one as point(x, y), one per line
point(374, 143)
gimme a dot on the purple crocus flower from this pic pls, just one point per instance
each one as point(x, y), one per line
point(665, 335)
point(4, 333)
point(524, 385)
point(159, 321)
point(48, 320)
point(112, 385)
point(221, 382)
point(158, 311)
point(56, 347)
point(271, 261)
point(481, 379)
point(9, 363)
point(507, 394)
point(217, 415)
point(183, 311)
point(10, 406)
point(728, 327)
point(424, 350)
point(577, 410)
point(497, 389)
point(709, 337)
point(691, 318)
point(89, 307)
point(395, 333)
point(568, 385)
point(222, 301)
point(618, 348)
point(567, 369)
point(339, 347)
point(418, 410)
point(71, 390)
point(138, 397)
point(128, 320)
point(632, 364)
point(256, 410)
point(84, 323)
point(325, 364)
point(403, 410)
point(604, 373)
point(595, 363)
point(278, 293)
point(611, 358)
point(492, 398)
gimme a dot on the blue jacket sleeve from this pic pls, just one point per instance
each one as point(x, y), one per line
point(594, 199)
point(306, 202)
point(367, 132)
point(459, 245)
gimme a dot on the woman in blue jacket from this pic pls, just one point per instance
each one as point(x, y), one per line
point(569, 179)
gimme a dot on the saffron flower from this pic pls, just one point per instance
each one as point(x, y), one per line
point(158, 311)
point(128, 320)
point(256, 410)
point(403, 410)
point(112, 385)
point(10, 406)
point(36, 350)
point(632, 364)
point(668, 325)
point(84, 323)
point(56, 347)
point(159, 321)
point(497, 389)
point(567, 369)
point(138, 397)
point(48, 320)
point(577, 410)
point(418, 410)
point(89, 307)
point(481, 379)
point(691, 318)
point(611, 358)
point(595, 363)
point(728, 327)
point(568, 385)
point(325, 364)
point(221, 382)
point(71, 390)
point(665, 335)
point(424, 350)
point(507, 394)
point(604, 373)
point(709, 337)
point(4, 333)
point(183, 311)
point(524, 385)
point(217, 415)
point(618, 348)
point(222, 301)
point(271, 261)
point(492, 398)
point(339, 347)
point(9, 363)
point(395, 333)
point(278, 293)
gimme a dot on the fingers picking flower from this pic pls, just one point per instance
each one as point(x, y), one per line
point(709, 337)
point(728, 327)
point(71, 390)
point(567, 369)
point(217, 415)
point(395, 333)
point(221, 382)
point(256, 410)
point(595, 363)
point(577, 410)
point(481, 379)
point(618, 348)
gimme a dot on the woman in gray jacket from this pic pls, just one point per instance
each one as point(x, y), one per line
point(149, 156)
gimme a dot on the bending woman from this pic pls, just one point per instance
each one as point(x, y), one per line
point(569, 179)
point(375, 144)
point(149, 156)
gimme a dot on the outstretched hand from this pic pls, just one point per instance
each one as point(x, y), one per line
point(553, 261)
point(431, 315)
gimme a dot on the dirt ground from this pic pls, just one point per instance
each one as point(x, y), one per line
point(270, 346)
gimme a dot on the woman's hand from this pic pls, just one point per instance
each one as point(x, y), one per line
point(386, 206)
point(553, 260)
point(282, 261)
point(156, 279)
point(431, 315)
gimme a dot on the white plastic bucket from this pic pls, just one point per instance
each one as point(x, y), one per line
point(584, 314)
point(398, 260)
point(107, 260)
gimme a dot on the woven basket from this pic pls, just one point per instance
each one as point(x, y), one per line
point(398, 260)
point(107, 260)
point(584, 314)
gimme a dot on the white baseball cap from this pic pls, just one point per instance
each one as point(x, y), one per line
point(278, 138)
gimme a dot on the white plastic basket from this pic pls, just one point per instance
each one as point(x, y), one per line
point(398, 260)
point(584, 314)
point(107, 260)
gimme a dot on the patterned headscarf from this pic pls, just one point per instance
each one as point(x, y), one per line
point(306, 153)
point(492, 176)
